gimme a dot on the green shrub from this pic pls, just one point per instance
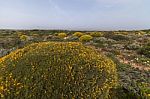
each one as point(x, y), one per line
point(109, 35)
point(78, 34)
point(133, 46)
point(119, 37)
point(116, 52)
point(142, 60)
point(140, 33)
point(130, 81)
point(62, 35)
point(73, 39)
point(85, 38)
point(56, 71)
point(145, 50)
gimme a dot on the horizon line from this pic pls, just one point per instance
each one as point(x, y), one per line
point(53, 29)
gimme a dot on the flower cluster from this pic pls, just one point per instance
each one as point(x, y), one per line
point(56, 70)
point(85, 38)
point(62, 35)
point(78, 34)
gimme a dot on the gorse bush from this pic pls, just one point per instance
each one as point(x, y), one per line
point(19, 34)
point(62, 35)
point(96, 34)
point(53, 70)
point(78, 34)
point(85, 38)
point(24, 37)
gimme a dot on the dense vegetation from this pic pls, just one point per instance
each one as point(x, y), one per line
point(145, 50)
point(128, 49)
point(57, 71)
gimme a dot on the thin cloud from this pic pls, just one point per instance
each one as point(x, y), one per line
point(79, 14)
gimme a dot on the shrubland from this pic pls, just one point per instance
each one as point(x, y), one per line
point(128, 50)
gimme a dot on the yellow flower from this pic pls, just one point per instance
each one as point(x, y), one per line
point(1, 88)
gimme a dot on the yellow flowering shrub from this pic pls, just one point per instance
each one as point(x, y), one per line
point(24, 37)
point(96, 34)
point(56, 70)
point(19, 34)
point(85, 38)
point(62, 35)
point(78, 34)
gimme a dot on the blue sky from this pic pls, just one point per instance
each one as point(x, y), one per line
point(75, 14)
